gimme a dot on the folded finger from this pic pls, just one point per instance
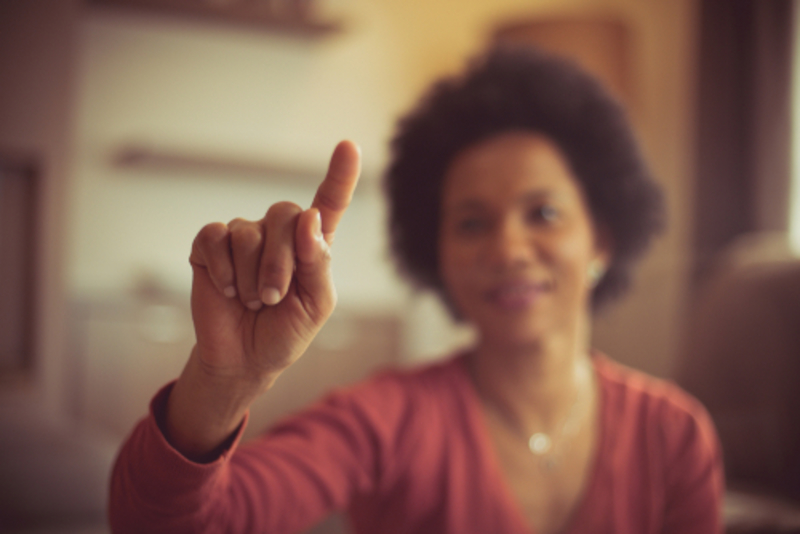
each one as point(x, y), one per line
point(211, 251)
point(246, 240)
point(278, 255)
point(315, 281)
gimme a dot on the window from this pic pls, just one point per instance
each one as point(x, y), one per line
point(794, 198)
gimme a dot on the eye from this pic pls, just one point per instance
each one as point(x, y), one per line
point(471, 226)
point(545, 213)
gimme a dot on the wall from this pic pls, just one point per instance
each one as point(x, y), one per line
point(263, 95)
point(37, 58)
point(252, 95)
point(106, 230)
point(205, 88)
point(645, 329)
point(202, 86)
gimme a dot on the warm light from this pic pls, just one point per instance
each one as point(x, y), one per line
point(794, 191)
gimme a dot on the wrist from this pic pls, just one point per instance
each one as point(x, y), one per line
point(205, 408)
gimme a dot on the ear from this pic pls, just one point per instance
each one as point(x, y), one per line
point(603, 245)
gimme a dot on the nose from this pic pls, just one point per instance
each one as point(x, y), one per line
point(511, 246)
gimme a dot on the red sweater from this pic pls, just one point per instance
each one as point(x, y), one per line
point(409, 452)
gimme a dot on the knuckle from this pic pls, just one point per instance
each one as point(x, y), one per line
point(246, 236)
point(283, 210)
point(277, 270)
point(327, 255)
point(211, 233)
point(330, 202)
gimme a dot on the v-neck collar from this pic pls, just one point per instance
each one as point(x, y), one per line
point(494, 472)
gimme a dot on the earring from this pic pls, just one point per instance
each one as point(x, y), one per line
point(596, 271)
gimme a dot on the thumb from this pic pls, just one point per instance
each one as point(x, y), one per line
point(313, 269)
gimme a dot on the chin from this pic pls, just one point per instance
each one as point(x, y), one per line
point(520, 330)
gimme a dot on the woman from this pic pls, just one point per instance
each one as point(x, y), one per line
point(517, 192)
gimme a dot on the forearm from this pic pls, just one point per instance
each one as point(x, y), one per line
point(204, 409)
point(154, 488)
point(281, 482)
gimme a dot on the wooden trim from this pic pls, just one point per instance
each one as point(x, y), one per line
point(198, 162)
point(261, 15)
point(143, 156)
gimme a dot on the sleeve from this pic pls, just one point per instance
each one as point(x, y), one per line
point(694, 475)
point(284, 481)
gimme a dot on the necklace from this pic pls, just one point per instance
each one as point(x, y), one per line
point(549, 449)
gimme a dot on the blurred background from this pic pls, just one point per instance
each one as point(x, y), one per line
point(126, 125)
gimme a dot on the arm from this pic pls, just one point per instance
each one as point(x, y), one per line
point(260, 293)
point(284, 481)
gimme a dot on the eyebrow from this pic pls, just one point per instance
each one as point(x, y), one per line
point(467, 205)
point(530, 197)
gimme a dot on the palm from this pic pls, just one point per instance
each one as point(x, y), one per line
point(237, 340)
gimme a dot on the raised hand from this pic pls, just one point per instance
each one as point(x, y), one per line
point(261, 292)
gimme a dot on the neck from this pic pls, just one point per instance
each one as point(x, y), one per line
point(536, 383)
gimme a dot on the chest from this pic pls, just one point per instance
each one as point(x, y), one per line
point(548, 488)
point(457, 471)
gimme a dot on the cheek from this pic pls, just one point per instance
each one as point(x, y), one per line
point(451, 259)
point(574, 251)
point(455, 270)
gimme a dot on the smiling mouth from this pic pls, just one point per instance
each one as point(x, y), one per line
point(516, 296)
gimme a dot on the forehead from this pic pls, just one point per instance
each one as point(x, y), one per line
point(508, 167)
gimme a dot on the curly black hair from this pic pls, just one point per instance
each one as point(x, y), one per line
point(516, 89)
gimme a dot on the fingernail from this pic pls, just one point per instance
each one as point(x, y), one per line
point(270, 296)
point(318, 226)
point(229, 292)
point(254, 305)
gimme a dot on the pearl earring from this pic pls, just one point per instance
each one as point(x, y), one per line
point(596, 271)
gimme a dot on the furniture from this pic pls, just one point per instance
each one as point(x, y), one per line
point(742, 360)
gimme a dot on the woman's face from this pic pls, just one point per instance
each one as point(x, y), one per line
point(516, 239)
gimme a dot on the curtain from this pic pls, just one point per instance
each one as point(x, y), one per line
point(743, 131)
point(742, 342)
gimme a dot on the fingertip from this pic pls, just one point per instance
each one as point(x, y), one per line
point(347, 157)
point(254, 305)
point(229, 292)
point(352, 145)
point(270, 296)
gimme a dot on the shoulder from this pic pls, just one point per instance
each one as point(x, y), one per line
point(667, 437)
point(401, 386)
point(626, 387)
point(658, 407)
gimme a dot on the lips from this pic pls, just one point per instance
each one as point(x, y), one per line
point(516, 295)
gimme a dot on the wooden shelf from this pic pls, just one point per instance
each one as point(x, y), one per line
point(253, 14)
point(202, 162)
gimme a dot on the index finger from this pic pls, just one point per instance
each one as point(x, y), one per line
point(334, 193)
